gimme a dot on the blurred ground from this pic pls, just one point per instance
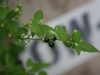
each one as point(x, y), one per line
point(91, 67)
point(53, 9)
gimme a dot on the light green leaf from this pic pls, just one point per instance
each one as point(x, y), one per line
point(3, 12)
point(29, 62)
point(77, 36)
point(32, 34)
point(87, 47)
point(38, 16)
point(67, 44)
point(11, 25)
point(22, 31)
point(63, 28)
point(78, 49)
point(42, 73)
point(61, 33)
point(39, 29)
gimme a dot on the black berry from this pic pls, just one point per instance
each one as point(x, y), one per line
point(54, 38)
point(51, 44)
point(46, 40)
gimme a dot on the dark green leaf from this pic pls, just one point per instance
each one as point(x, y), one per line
point(38, 16)
point(15, 49)
point(11, 25)
point(3, 12)
point(29, 62)
point(42, 73)
point(3, 32)
point(87, 47)
point(11, 14)
point(1, 1)
point(77, 36)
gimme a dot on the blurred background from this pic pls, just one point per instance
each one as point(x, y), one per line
point(83, 15)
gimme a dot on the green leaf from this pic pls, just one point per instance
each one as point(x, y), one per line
point(15, 49)
point(78, 49)
point(61, 33)
point(43, 65)
point(11, 25)
point(29, 62)
point(67, 44)
point(3, 32)
point(38, 16)
point(77, 36)
point(11, 14)
point(22, 31)
point(1, 1)
point(32, 34)
point(3, 12)
point(87, 47)
point(39, 29)
point(42, 73)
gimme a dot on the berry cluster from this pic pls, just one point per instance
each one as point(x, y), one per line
point(47, 40)
point(18, 11)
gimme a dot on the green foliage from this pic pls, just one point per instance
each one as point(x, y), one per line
point(38, 16)
point(42, 73)
point(13, 38)
point(11, 25)
point(3, 12)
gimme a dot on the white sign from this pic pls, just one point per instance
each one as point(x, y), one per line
point(87, 20)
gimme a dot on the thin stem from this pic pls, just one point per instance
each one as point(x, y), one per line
point(7, 3)
point(33, 38)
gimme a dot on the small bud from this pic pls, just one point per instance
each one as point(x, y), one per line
point(19, 5)
point(75, 31)
point(16, 17)
point(19, 40)
point(25, 24)
point(20, 12)
point(2, 25)
point(10, 35)
point(16, 10)
point(30, 22)
point(23, 35)
point(76, 44)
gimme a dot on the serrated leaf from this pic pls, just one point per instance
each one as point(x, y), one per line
point(3, 12)
point(63, 28)
point(61, 33)
point(77, 36)
point(38, 16)
point(87, 47)
point(29, 62)
point(11, 25)
point(42, 73)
